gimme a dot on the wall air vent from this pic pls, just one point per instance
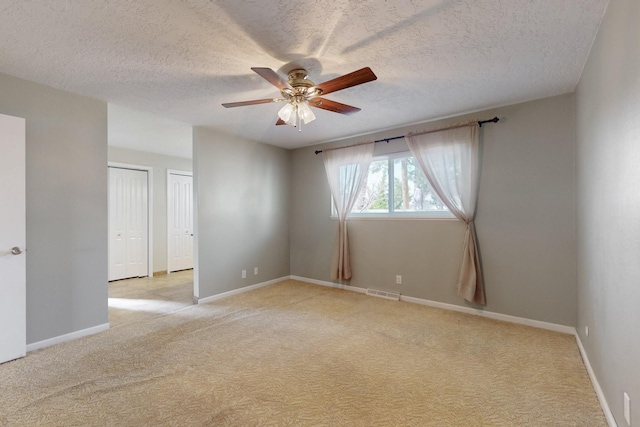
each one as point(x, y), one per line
point(384, 294)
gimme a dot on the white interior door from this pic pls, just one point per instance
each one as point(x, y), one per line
point(13, 317)
point(179, 220)
point(128, 223)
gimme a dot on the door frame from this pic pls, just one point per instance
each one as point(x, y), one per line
point(149, 171)
point(186, 173)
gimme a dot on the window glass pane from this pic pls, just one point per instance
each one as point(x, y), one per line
point(375, 194)
point(411, 190)
point(397, 187)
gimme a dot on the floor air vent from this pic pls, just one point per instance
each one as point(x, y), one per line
point(384, 294)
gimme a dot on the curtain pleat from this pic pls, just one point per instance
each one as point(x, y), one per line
point(450, 160)
point(347, 170)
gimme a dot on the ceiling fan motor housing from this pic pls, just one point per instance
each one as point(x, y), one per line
point(300, 84)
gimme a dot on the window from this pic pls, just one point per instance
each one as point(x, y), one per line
point(395, 186)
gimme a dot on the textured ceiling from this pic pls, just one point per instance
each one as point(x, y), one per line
point(182, 59)
point(142, 131)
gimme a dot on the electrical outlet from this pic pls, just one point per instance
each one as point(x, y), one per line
point(244, 274)
point(255, 271)
point(586, 331)
point(627, 409)
point(398, 280)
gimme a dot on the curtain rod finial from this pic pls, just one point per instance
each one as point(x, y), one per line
point(494, 120)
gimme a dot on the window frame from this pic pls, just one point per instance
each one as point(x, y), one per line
point(392, 213)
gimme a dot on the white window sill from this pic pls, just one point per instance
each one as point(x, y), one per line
point(384, 217)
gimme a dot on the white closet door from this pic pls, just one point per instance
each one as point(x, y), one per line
point(13, 316)
point(180, 221)
point(128, 223)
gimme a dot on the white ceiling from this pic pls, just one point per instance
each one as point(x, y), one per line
point(137, 130)
point(181, 59)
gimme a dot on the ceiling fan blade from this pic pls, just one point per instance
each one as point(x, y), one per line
point(254, 102)
point(355, 78)
point(329, 105)
point(272, 77)
point(280, 122)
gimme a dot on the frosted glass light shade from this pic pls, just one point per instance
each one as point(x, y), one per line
point(305, 112)
point(287, 114)
point(293, 112)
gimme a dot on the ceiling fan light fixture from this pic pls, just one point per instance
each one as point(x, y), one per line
point(294, 112)
point(287, 114)
point(305, 112)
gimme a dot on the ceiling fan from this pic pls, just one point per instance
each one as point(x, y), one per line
point(299, 93)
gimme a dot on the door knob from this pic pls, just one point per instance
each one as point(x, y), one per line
point(16, 250)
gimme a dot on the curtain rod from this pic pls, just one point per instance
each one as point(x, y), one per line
point(480, 123)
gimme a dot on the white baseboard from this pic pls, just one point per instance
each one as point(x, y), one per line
point(483, 313)
point(67, 337)
point(329, 284)
point(493, 315)
point(240, 290)
point(596, 385)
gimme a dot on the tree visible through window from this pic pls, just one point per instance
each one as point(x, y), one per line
point(396, 185)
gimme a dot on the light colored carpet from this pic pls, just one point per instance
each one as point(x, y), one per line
point(294, 354)
point(134, 300)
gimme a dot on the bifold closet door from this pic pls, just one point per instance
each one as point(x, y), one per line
point(128, 223)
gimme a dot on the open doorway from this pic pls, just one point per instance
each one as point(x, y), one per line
point(132, 300)
point(162, 145)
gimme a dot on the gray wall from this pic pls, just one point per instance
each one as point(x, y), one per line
point(608, 207)
point(160, 164)
point(525, 220)
point(66, 156)
point(243, 197)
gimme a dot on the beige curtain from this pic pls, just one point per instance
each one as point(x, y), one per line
point(449, 159)
point(347, 169)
